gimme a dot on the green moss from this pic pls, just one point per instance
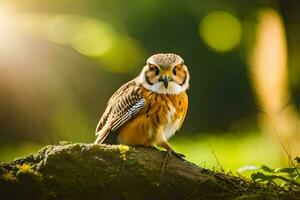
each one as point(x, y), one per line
point(9, 176)
point(25, 168)
point(123, 149)
point(257, 196)
point(130, 162)
point(125, 196)
point(19, 170)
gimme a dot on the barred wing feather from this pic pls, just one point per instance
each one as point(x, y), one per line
point(123, 105)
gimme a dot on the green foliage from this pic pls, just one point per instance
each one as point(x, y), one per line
point(287, 177)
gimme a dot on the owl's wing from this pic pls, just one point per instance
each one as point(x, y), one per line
point(125, 103)
point(110, 104)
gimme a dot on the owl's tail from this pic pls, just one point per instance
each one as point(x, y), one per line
point(102, 134)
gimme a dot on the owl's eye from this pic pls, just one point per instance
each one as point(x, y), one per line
point(175, 71)
point(154, 68)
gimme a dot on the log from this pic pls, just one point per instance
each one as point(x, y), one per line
point(88, 171)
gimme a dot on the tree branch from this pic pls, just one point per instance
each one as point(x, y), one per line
point(87, 171)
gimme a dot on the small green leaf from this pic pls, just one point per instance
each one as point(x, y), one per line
point(267, 169)
point(297, 159)
point(262, 177)
point(289, 170)
point(285, 184)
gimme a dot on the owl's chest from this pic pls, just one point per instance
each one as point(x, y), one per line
point(172, 122)
point(164, 112)
point(161, 116)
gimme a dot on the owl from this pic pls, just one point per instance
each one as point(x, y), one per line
point(149, 109)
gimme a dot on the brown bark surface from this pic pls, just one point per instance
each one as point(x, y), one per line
point(87, 171)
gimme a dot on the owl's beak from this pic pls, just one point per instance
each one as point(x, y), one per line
point(165, 80)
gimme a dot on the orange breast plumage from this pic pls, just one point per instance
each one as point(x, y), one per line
point(161, 116)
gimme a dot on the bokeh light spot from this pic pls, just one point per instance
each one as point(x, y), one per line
point(59, 29)
point(221, 31)
point(124, 56)
point(93, 38)
point(88, 36)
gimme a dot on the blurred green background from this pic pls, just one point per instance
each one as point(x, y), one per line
point(61, 60)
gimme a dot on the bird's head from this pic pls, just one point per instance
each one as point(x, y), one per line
point(165, 74)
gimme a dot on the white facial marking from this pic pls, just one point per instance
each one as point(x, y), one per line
point(164, 60)
point(173, 88)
